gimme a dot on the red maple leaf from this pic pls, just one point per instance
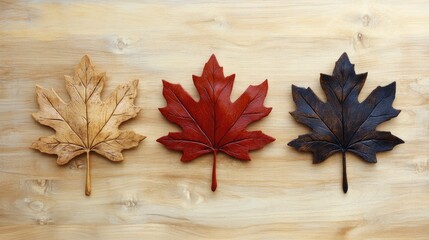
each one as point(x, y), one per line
point(214, 123)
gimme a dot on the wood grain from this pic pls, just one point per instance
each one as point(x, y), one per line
point(152, 195)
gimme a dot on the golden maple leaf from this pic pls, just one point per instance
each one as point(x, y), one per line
point(86, 123)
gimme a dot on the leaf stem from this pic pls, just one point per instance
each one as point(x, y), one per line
point(88, 176)
point(345, 184)
point(214, 181)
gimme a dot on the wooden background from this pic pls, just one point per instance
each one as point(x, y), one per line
point(152, 195)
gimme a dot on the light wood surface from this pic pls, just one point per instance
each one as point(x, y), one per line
point(152, 195)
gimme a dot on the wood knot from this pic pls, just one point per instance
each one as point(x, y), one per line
point(36, 206)
point(44, 221)
point(121, 44)
point(39, 185)
point(191, 197)
point(41, 182)
point(360, 37)
point(77, 164)
point(360, 41)
point(366, 20)
point(423, 166)
point(130, 203)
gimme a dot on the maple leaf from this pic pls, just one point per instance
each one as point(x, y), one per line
point(342, 123)
point(86, 123)
point(214, 123)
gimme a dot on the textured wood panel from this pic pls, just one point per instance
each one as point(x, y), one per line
point(152, 195)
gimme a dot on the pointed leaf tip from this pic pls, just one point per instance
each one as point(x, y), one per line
point(38, 88)
point(213, 61)
point(343, 63)
point(294, 87)
point(344, 57)
point(86, 59)
point(264, 83)
point(166, 83)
